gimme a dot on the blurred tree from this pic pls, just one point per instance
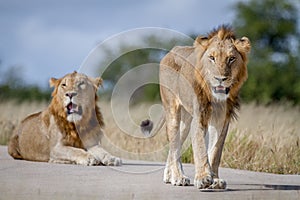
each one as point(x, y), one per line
point(13, 87)
point(274, 66)
point(128, 61)
point(12, 76)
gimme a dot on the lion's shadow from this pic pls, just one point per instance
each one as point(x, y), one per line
point(265, 187)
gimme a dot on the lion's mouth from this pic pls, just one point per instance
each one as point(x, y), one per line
point(73, 108)
point(221, 89)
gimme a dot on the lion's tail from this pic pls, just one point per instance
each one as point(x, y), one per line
point(147, 126)
point(13, 147)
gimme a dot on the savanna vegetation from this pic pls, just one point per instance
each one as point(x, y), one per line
point(14, 87)
point(274, 64)
point(266, 136)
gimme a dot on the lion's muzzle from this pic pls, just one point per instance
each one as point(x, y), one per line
point(74, 108)
point(221, 89)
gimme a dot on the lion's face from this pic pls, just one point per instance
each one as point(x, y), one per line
point(75, 93)
point(223, 66)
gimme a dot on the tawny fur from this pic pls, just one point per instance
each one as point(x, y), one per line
point(199, 87)
point(53, 136)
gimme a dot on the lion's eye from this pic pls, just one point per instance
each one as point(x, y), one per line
point(231, 59)
point(63, 85)
point(81, 84)
point(212, 58)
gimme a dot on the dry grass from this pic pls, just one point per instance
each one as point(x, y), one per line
point(12, 113)
point(125, 138)
point(263, 139)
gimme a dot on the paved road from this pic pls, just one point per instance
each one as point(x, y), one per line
point(134, 180)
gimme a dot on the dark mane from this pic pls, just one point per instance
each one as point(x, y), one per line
point(98, 112)
point(223, 32)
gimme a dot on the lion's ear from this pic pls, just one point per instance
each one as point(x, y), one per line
point(201, 40)
point(243, 45)
point(53, 82)
point(97, 81)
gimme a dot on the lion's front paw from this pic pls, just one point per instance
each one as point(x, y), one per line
point(112, 161)
point(218, 184)
point(204, 182)
point(89, 160)
point(180, 181)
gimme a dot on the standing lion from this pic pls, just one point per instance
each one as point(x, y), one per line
point(68, 130)
point(199, 87)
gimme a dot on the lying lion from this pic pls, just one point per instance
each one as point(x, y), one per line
point(69, 130)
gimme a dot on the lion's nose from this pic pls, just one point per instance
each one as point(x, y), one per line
point(221, 79)
point(71, 94)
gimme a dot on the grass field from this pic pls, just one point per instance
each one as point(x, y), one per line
point(263, 139)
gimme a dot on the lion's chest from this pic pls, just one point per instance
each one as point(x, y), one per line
point(71, 138)
point(67, 132)
point(216, 125)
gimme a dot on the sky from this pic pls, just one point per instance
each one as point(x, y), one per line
point(52, 38)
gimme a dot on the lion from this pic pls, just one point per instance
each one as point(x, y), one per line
point(199, 88)
point(68, 130)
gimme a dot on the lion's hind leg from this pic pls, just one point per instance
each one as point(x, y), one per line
point(173, 172)
point(13, 147)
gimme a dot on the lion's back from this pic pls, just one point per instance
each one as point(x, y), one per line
point(178, 57)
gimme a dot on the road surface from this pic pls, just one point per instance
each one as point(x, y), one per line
point(134, 180)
